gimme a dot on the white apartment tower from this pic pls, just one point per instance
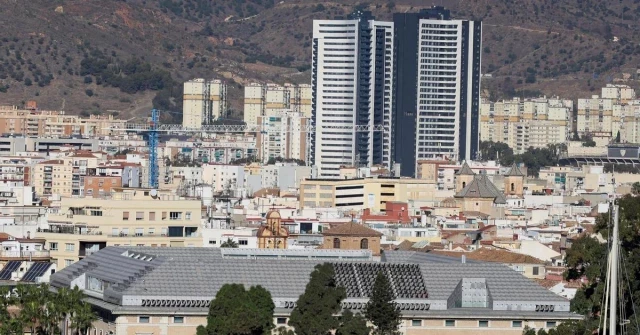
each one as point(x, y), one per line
point(352, 84)
point(270, 99)
point(290, 142)
point(203, 102)
point(448, 89)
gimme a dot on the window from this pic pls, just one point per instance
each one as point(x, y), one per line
point(152, 216)
point(178, 319)
point(114, 231)
point(516, 324)
point(336, 243)
point(175, 215)
point(281, 321)
point(125, 231)
point(513, 187)
point(53, 245)
point(187, 216)
point(143, 319)
point(139, 231)
point(364, 243)
point(551, 324)
point(125, 215)
point(243, 242)
point(536, 270)
point(139, 216)
point(69, 247)
point(164, 215)
point(416, 323)
point(152, 231)
point(449, 323)
point(483, 323)
point(213, 242)
point(68, 262)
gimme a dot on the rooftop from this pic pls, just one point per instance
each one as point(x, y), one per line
point(352, 229)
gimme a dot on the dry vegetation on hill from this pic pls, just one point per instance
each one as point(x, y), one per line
point(92, 56)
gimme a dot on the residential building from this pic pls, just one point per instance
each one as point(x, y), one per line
point(53, 177)
point(620, 93)
point(437, 95)
point(227, 178)
point(264, 100)
point(352, 78)
point(288, 138)
point(204, 101)
point(17, 170)
point(100, 186)
point(22, 249)
point(522, 124)
point(435, 295)
point(361, 193)
point(39, 123)
point(128, 217)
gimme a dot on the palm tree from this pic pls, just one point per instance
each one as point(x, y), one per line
point(229, 243)
point(83, 317)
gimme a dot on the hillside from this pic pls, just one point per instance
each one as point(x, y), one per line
point(100, 56)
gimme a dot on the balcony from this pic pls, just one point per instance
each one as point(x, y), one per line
point(24, 255)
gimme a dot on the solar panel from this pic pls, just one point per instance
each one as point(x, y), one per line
point(36, 270)
point(10, 267)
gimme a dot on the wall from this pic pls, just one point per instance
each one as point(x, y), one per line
point(352, 243)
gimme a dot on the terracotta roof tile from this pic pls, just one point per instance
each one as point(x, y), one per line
point(352, 229)
point(495, 255)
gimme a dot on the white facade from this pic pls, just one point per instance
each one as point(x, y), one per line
point(263, 99)
point(448, 89)
point(287, 139)
point(348, 55)
point(225, 177)
point(203, 102)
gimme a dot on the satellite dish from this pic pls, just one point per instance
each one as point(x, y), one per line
point(154, 192)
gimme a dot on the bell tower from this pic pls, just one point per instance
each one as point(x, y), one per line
point(514, 181)
point(272, 235)
point(464, 177)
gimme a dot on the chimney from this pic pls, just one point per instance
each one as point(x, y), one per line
point(28, 235)
point(464, 259)
point(450, 245)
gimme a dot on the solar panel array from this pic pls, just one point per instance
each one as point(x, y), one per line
point(11, 266)
point(358, 279)
point(35, 271)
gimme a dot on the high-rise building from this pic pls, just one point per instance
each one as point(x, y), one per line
point(266, 99)
point(352, 84)
point(290, 142)
point(437, 91)
point(203, 102)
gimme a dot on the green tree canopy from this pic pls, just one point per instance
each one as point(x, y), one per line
point(236, 311)
point(352, 324)
point(381, 309)
point(229, 243)
point(316, 307)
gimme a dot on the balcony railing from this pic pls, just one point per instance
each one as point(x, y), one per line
point(22, 254)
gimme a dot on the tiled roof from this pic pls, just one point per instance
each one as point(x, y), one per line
point(495, 255)
point(52, 162)
point(351, 229)
point(482, 187)
point(515, 171)
point(465, 170)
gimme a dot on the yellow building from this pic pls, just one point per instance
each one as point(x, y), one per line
point(53, 177)
point(129, 217)
point(38, 123)
point(267, 99)
point(357, 194)
point(352, 236)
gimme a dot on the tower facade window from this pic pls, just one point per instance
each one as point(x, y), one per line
point(336, 243)
point(364, 243)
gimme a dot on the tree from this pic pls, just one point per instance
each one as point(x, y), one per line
point(635, 188)
point(83, 317)
point(88, 92)
point(236, 311)
point(352, 324)
point(316, 307)
point(381, 309)
point(229, 243)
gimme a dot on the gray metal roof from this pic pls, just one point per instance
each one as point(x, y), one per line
point(402, 256)
point(175, 275)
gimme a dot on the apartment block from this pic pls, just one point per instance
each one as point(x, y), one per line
point(289, 142)
point(352, 81)
point(266, 100)
point(620, 93)
point(596, 115)
point(128, 217)
point(53, 177)
point(358, 194)
point(204, 101)
point(34, 122)
point(526, 123)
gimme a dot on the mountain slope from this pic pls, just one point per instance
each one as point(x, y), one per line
point(92, 56)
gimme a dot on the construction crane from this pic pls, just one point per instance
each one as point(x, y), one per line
point(154, 127)
point(249, 128)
